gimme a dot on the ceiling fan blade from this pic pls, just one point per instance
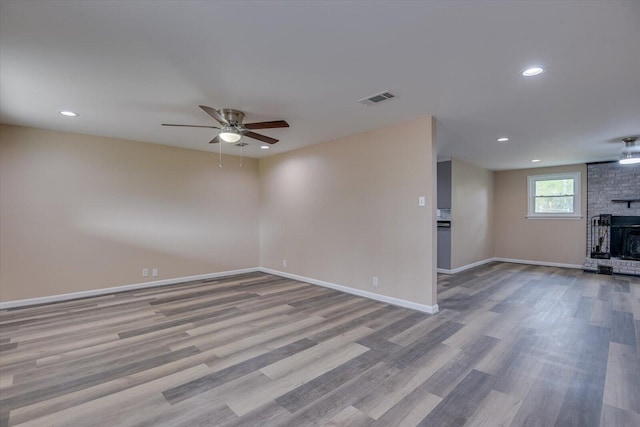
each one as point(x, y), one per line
point(215, 140)
point(191, 126)
point(267, 125)
point(259, 137)
point(214, 113)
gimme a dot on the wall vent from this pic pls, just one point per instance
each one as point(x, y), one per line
point(376, 99)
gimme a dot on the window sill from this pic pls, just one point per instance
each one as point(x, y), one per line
point(554, 217)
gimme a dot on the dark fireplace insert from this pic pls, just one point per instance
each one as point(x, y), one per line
point(625, 237)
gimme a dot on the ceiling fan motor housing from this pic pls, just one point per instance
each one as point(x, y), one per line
point(233, 117)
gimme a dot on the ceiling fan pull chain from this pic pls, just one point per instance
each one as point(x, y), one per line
point(220, 155)
point(241, 147)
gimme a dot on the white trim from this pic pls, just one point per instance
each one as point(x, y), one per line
point(117, 289)
point(544, 263)
point(577, 195)
point(465, 267)
point(431, 309)
point(512, 260)
point(538, 216)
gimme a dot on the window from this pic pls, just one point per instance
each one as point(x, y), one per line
point(555, 196)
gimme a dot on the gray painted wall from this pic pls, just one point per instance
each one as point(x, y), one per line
point(444, 185)
point(444, 202)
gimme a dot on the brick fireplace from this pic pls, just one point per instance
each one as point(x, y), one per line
point(613, 209)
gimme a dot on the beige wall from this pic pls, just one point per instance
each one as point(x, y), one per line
point(347, 210)
point(471, 214)
point(546, 240)
point(80, 212)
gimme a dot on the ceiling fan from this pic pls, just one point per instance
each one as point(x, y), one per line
point(232, 127)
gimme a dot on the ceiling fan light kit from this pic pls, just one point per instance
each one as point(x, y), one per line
point(229, 134)
point(630, 153)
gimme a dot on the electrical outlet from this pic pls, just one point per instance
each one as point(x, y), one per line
point(154, 272)
point(145, 272)
point(374, 283)
point(284, 263)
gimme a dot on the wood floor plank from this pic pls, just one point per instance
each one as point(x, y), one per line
point(541, 406)
point(210, 402)
point(6, 381)
point(398, 387)
point(116, 409)
point(461, 403)
point(351, 320)
point(496, 409)
point(601, 313)
point(264, 337)
point(622, 387)
point(410, 410)
point(315, 389)
point(270, 414)
point(351, 417)
point(445, 379)
point(172, 323)
point(109, 349)
point(192, 388)
point(244, 403)
point(415, 353)
point(89, 365)
point(518, 373)
point(623, 329)
point(615, 417)
point(330, 404)
point(583, 401)
point(18, 397)
point(319, 353)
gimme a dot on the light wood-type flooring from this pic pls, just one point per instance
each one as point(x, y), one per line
point(513, 345)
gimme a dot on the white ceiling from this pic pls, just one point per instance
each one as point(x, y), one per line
point(127, 66)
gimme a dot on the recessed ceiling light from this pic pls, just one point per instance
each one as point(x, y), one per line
point(264, 147)
point(503, 139)
point(535, 160)
point(69, 113)
point(533, 71)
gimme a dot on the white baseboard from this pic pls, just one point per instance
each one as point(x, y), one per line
point(543, 263)
point(431, 309)
point(513, 260)
point(465, 267)
point(105, 291)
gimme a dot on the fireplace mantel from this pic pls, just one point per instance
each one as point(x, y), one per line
point(627, 201)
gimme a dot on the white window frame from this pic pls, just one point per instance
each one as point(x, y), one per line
point(577, 196)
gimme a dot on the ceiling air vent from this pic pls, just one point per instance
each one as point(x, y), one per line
point(376, 99)
point(241, 144)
